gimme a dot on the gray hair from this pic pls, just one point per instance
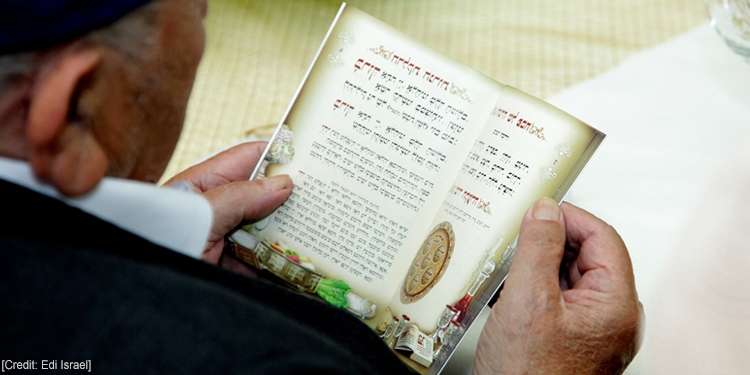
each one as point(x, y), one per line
point(131, 36)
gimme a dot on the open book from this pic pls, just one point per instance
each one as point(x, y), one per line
point(412, 173)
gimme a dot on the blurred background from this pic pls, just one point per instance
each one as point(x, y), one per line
point(257, 52)
point(652, 74)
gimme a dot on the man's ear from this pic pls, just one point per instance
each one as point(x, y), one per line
point(62, 147)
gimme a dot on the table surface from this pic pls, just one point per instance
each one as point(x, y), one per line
point(650, 74)
point(258, 51)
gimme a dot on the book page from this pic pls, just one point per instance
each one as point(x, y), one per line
point(376, 136)
point(527, 149)
point(415, 345)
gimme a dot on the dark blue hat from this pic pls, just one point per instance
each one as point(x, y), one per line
point(27, 25)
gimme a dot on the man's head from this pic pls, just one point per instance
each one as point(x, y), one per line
point(110, 101)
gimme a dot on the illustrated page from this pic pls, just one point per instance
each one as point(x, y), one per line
point(527, 149)
point(373, 141)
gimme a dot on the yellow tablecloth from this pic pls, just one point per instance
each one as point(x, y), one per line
point(258, 51)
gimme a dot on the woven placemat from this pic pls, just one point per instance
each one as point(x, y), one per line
point(258, 51)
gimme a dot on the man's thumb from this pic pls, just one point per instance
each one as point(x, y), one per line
point(541, 244)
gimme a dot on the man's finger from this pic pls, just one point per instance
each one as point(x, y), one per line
point(241, 201)
point(598, 245)
point(541, 243)
point(248, 200)
point(234, 164)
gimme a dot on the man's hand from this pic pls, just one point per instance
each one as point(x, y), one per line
point(569, 304)
point(223, 180)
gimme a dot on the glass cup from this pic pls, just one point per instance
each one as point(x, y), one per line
point(731, 19)
point(443, 321)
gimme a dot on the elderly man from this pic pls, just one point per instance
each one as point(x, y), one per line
point(96, 265)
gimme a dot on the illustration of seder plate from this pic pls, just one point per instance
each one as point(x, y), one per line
point(430, 263)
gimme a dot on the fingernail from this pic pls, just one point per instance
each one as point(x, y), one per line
point(276, 183)
point(546, 209)
point(182, 185)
